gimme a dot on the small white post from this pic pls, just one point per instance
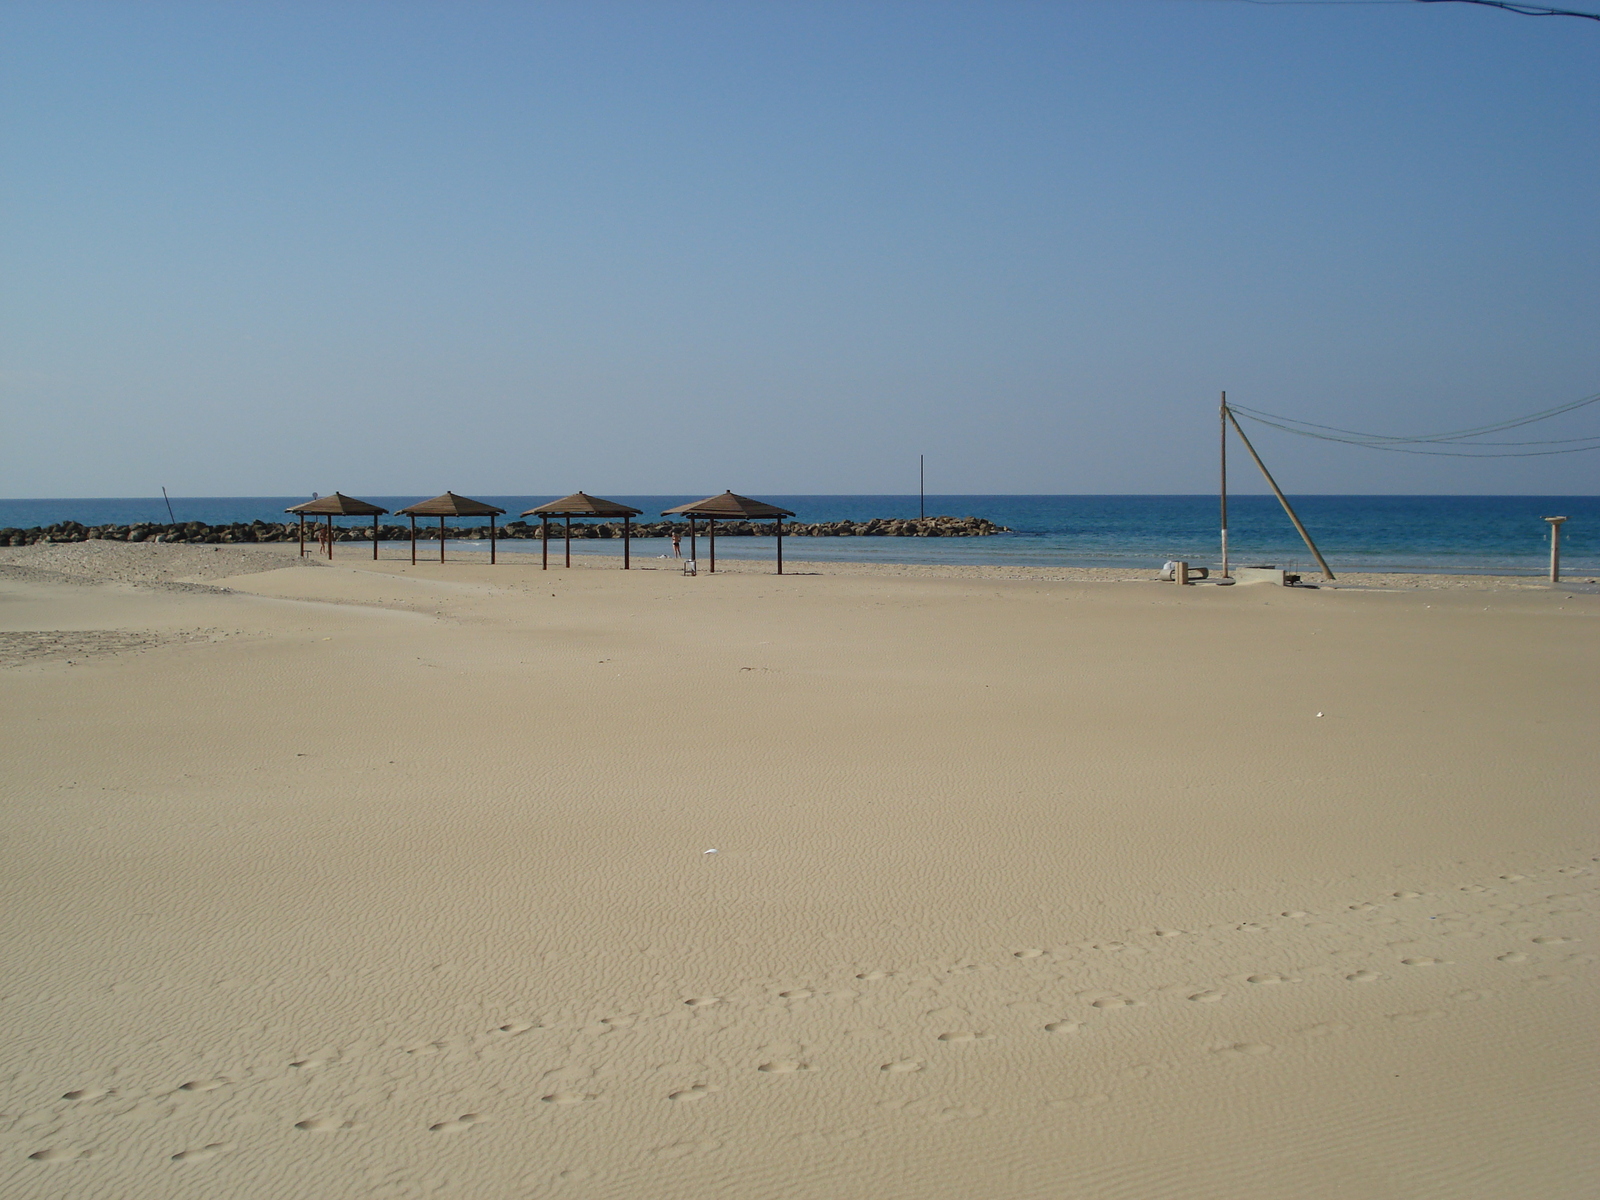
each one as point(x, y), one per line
point(1555, 548)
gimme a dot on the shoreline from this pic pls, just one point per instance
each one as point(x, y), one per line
point(178, 562)
point(1388, 537)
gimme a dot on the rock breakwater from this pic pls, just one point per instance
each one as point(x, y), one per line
point(239, 533)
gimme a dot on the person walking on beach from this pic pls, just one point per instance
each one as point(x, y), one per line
point(324, 540)
point(677, 544)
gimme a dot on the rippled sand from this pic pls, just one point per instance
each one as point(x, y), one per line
point(356, 880)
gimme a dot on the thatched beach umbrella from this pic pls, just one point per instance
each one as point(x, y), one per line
point(450, 505)
point(581, 505)
point(336, 505)
point(729, 507)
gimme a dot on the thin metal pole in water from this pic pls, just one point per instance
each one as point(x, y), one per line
point(1278, 492)
point(922, 488)
point(1222, 420)
point(174, 519)
point(1555, 548)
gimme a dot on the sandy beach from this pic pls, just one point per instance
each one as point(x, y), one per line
point(370, 879)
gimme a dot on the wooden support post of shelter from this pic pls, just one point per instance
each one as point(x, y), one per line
point(451, 505)
point(339, 505)
point(581, 505)
point(1278, 492)
point(730, 507)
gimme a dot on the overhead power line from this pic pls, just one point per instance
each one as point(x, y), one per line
point(1511, 6)
point(1526, 10)
point(1460, 440)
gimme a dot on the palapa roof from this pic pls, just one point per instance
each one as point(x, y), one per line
point(729, 507)
point(337, 505)
point(581, 504)
point(451, 505)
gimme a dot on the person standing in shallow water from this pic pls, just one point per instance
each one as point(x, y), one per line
point(677, 544)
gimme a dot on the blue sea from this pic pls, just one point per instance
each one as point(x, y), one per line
point(1434, 534)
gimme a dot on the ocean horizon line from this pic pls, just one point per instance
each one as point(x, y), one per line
point(868, 495)
point(1394, 532)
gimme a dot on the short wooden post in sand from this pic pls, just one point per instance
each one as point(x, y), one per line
point(1555, 548)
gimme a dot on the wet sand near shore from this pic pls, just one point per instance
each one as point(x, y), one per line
point(366, 879)
point(150, 563)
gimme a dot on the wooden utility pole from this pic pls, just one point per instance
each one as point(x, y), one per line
point(1222, 421)
point(1278, 492)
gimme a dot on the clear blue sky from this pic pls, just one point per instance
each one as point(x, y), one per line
point(522, 248)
